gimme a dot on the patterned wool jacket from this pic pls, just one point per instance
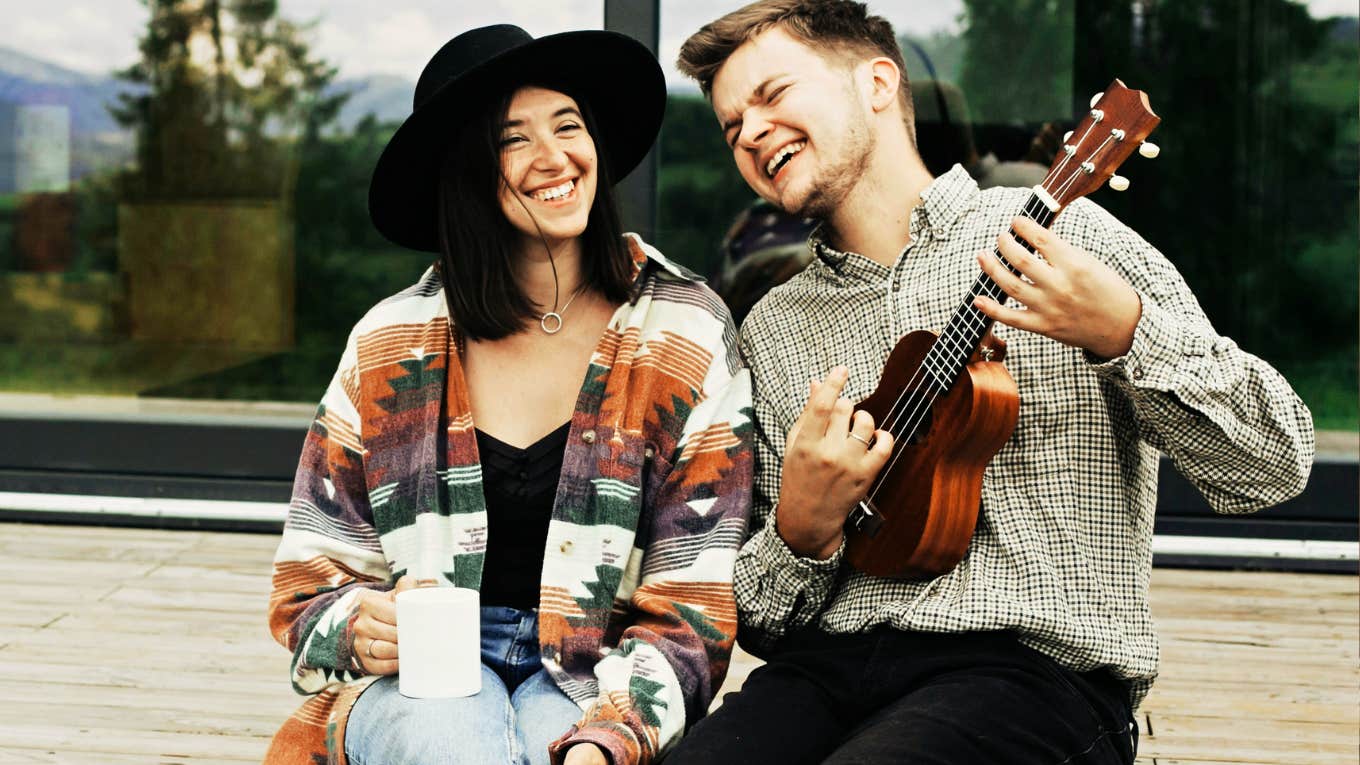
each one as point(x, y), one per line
point(637, 617)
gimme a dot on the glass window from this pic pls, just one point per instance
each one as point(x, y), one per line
point(183, 193)
point(1254, 197)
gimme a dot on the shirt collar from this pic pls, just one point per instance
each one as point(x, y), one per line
point(643, 252)
point(943, 202)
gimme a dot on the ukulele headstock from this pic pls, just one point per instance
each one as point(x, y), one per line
point(1118, 122)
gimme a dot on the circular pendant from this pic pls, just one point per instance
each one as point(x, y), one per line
point(551, 322)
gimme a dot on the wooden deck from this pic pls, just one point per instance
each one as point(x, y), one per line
point(122, 646)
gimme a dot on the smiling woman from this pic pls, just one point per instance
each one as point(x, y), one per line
point(479, 435)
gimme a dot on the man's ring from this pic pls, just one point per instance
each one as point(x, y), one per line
point(369, 651)
point(857, 438)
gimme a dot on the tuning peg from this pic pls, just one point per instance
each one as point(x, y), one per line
point(1149, 149)
point(1067, 136)
point(1119, 182)
point(1096, 98)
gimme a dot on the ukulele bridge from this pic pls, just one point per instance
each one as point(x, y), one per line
point(864, 519)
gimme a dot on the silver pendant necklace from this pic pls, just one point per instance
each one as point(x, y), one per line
point(551, 322)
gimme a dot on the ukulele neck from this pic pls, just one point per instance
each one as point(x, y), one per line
point(966, 328)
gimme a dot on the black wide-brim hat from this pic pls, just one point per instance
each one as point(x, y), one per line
point(615, 74)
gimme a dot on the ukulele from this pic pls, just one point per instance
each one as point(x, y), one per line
point(948, 400)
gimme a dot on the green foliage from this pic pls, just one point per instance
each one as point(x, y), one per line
point(700, 190)
point(1255, 201)
point(344, 264)
point(1011, 75)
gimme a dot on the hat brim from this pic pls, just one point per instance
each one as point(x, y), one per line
point(615, 74)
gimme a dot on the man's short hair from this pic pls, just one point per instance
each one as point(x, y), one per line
point(839, 30)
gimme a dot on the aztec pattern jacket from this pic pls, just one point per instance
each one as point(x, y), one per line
point(637, 617)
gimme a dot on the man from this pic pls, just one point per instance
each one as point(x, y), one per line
point(1038, 646)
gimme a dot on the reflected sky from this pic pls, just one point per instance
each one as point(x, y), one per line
point(365, 38)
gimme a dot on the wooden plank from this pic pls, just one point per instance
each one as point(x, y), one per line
point(117, 740)
point(266, 682)
point(1206, 747)
point(154, 625)
point(202, 661)
point(138, 594)
point(251, 579)
point(1246, 704)
point(24, 571)
point(141, 645)
point(38, 593)
point(142, 650)
point(1169, 727)
point(1284, 581)
point(19, 755)
point(1258, 691)
point(194, 718)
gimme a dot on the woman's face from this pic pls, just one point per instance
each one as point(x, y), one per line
point(548, 165)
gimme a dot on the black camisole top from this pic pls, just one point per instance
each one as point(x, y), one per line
point(520, 486)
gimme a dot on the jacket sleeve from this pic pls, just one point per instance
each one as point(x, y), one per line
point(1229, 422)
point(329, 545)
point(776, 589)
point(673, 655)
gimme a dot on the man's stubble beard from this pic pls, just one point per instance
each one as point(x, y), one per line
point(834, 181)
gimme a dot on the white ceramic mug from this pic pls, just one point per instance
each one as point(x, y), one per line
point(439, 643)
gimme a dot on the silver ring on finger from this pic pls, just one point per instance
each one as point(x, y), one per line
point(369, 650)
point(861, 440)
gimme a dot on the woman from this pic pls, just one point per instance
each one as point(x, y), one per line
point(603, 550)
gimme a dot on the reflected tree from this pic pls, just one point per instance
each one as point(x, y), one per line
point(224, 90)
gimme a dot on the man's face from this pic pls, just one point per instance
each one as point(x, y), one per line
point(798, 129)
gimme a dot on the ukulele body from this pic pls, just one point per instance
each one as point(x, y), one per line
point(928, 497)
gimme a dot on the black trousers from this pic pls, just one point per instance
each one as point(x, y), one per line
point(894, 697)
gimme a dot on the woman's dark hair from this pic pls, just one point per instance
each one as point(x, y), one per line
point(477, 242)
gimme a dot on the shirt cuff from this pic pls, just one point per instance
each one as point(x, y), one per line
point(793, 573)
point(1160, 343)
point(616, 739)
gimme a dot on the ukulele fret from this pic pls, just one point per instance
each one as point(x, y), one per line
point(966, 328)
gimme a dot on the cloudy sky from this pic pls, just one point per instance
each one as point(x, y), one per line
point(396, 37)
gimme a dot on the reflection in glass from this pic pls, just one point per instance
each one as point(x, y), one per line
point(1254, 197)
point(186, 217)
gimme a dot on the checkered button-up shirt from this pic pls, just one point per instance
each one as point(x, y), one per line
point(1062, 550)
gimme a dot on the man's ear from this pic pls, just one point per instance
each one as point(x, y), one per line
point(884, 79)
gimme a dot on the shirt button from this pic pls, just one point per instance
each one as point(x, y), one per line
point(1137, 373)
point(566, 547)
point(523, 475)
point(649, 452)
point(588, 436)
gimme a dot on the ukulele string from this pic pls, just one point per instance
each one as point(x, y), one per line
point(1063, 189)
point(916, 416)
point(895, 413)
point(916, 402)
point(913, 402)
point(921, 402)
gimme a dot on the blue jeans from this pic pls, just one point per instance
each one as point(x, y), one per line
point(519, 711)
